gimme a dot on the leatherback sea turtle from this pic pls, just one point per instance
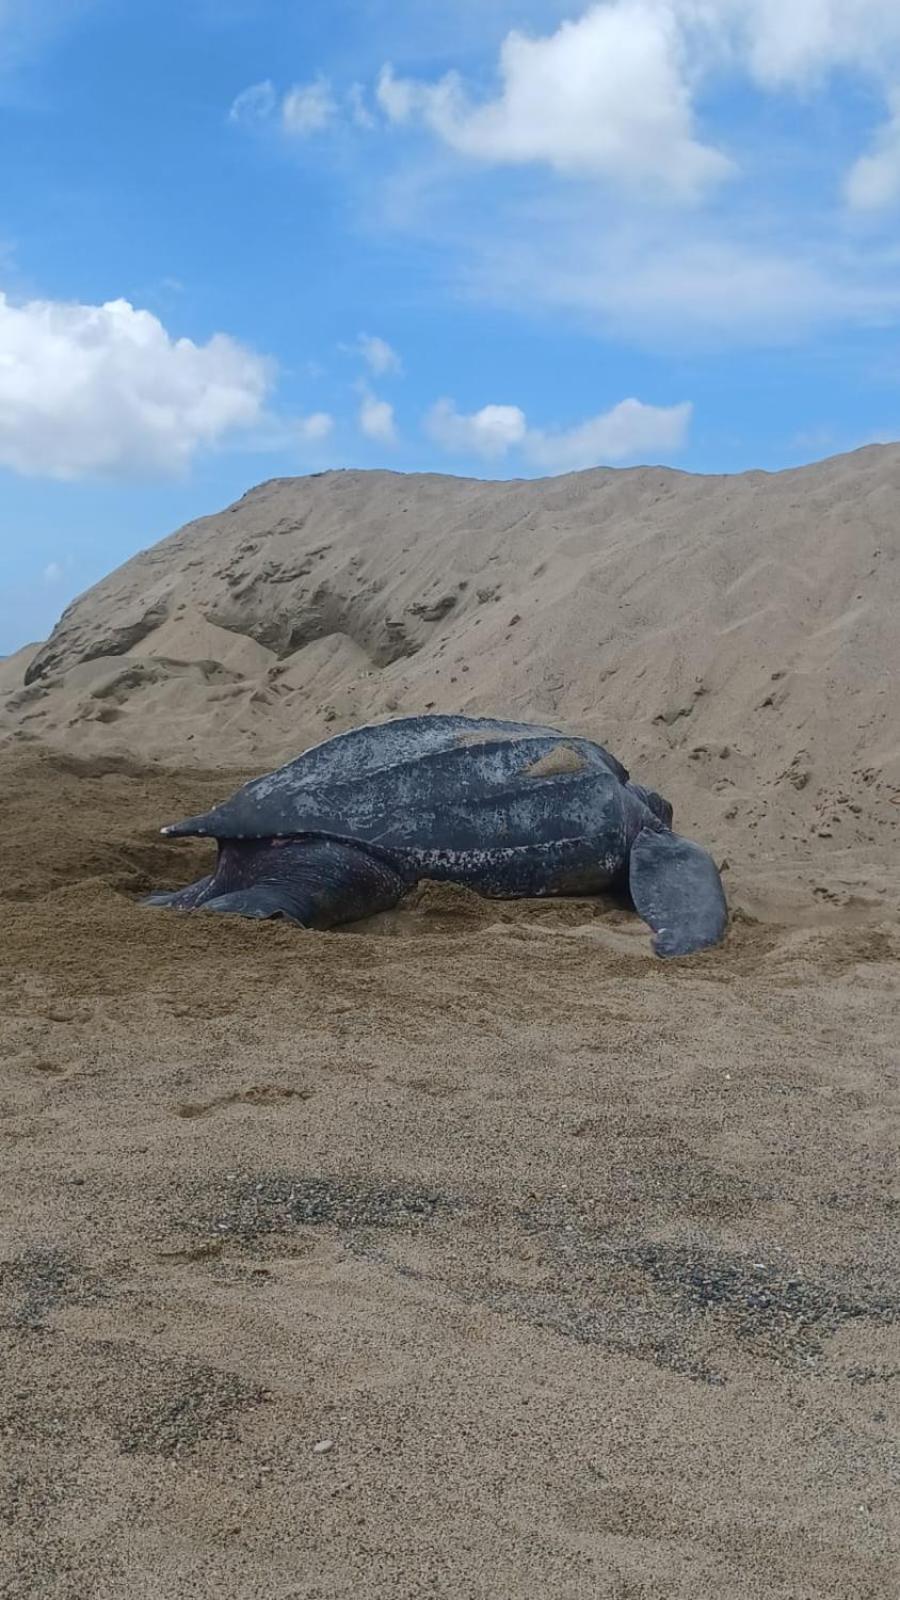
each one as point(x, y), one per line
point(508, 809)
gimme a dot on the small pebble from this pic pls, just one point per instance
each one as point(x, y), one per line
point(323, 1447)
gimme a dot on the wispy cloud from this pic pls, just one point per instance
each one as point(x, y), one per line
point(376, 419)
point(317, 426)
point(301, 111)
point(628, 430)
point(308, 108)
point(380, 357)
point(358, 107)
point(659, 284)
point(491, 432)
point(254, 104)
point(873, 182)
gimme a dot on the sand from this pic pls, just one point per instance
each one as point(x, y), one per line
point(583, 1266)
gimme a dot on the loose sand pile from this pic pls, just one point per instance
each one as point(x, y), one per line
point(732, 639)
point(583, 1266)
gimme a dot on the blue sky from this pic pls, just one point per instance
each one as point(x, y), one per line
point(241, 239)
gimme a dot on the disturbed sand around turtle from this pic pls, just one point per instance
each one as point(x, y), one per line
point(584, 1265)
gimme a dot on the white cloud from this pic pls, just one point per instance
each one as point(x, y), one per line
point(873, 182)
point(376, 419)
point(379, 356)
point(604, 96)
point(796, 43)
point(305, 109)
point(255, 104)
point(657, 282)
point(629, 430)
point(490, 432)
point(769, 263)
point(315, 427)
point(53, 572)
point(626, 432)
point(612, 93)
point(308, 108)
point(359, 107)
point(106, 389)
point(401, 98)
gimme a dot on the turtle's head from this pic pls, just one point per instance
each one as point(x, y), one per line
point(654, 802)
point(196, 827)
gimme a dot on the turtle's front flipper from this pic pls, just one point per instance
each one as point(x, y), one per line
point(314, 882)
point(676, 888)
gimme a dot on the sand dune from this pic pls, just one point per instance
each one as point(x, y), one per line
point(14, 667)
point(732, 639)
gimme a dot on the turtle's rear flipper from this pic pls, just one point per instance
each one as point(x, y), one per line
point(314, 882)
point(180, 899)
point(676, 888)
point(263, 900)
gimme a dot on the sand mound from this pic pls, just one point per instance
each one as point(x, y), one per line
point(733, 639)
point(14, 667)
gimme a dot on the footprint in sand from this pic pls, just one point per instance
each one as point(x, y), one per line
point(54, 1070)
point(189, 1255)
point(436, 1088)
point(259, 1094)
point(60, 1012)
point(50, 1069)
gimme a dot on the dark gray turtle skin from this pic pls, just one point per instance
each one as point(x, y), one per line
point(508, 809)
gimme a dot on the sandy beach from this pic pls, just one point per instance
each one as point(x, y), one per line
point(471, 1251)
